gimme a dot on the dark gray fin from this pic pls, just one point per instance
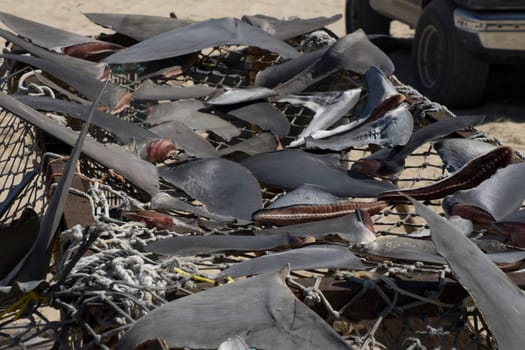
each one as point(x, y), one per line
point(99, 71)
point(149, 91)
point(439, 129)
point(114, 97)
point(264, 115)
point(51, 38)
point(482, 279)
point(455, 153)
point(277, 74)
point(393, 129)
point(138, 172)
point(329, 107)
point(186, 139)
point(193, 245)
point(138, 27)
point(187, 112)
point(275, 319)
point(289, 28)
point(123, 130)
point(352, 52)
point(224, 187)
point(198, 36)
point(260, 143)
point(307, 258)
point(290, 169)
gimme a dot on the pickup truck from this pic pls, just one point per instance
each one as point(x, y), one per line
point(454, 43)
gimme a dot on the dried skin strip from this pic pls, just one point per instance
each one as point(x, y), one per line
point(296, 214)
point(471, 175)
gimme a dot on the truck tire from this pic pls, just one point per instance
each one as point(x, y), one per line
point(359, 14)
point(444, 70)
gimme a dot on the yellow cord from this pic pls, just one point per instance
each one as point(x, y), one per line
point(200, 278)
point(22, 304)
point(194, 277)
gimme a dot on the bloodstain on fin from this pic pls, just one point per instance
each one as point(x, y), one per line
point(477, 215)
point(92, 51)
point(158, 150)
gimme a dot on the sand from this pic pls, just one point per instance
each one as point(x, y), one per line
point(502, 105)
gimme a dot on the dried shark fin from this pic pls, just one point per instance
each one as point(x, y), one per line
point(404, 248)
point(305, 194)
point(329, 107)
point(288, 29)
point(352, 52)
point(496, 197)
point(274, 319)
point(115, 98)
point(193, 245)
point(149, 91)
point(273, 76)
point(198, 36)
point(123, 130)
point(455, 153)
point(241, 95)
point(186, 139)
point(224, 187)
point(138, 172)
point(99, 71)
point(55, 39)
point(499, 300)
point(290, 169)
point(260, 143)
point(382, 97)
point(393, 129)
point(311, 257)
point(390, 161)
point(262, 114)
point(33, 266)
point(138, 27)
point(188, 112)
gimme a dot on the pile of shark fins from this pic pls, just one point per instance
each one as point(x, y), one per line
point(192, 140)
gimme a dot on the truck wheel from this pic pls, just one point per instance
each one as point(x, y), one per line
point(359, 14)
point(444, 70)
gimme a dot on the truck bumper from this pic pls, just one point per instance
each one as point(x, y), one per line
point(495, 33)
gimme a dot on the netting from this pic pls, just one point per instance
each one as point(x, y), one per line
point(102, 280)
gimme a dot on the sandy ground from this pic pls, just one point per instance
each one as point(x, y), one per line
point(504, 101)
